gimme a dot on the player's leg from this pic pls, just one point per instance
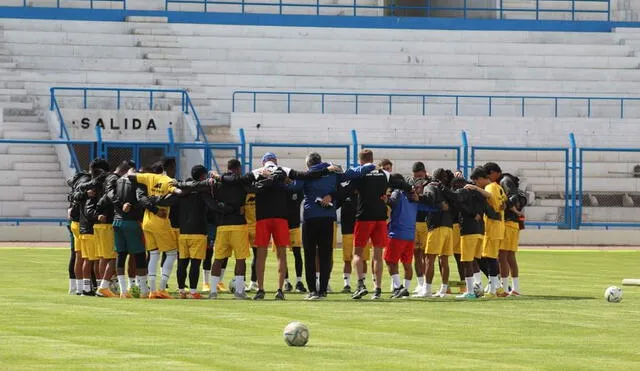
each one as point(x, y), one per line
point(107, 245)
point(447, 251)
point(153, 260)
point(89, 263)
point(197, 250)
point(263, 236)
point(168, 243)
point(504, 269)
point(515, 273)
point(73, 288)
point(223, 268)
point(347, 257)
point(490, 251)
point(240, 248)
point(467, 257)
point(407, 259)
point(309, 245)
point(183, 264)
point(325, 248)
point(120, 245)
point(299, 265)
point(131, 273)
point(253, 286)
point(78, 262)
point(281, 255)
point(208, 260)
point(391, 256)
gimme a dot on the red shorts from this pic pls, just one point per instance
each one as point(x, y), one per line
point(276, 227)
point(398, 250)
point(374, 230)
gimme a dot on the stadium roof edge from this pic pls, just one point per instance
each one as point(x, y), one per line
point(110, 15)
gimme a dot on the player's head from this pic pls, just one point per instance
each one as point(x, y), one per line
point(234, 166)
point(169, 166)
point(440, 175)
point(397, 178)
point(199, 172)
point(457, 183)
point(365, 156)
point(156, 168)
point(98, 165)
point(480, 177)
point(124, 167)
point(419, 170)
point(493, 171)
point(312, 159)
point(386, 165)
point(450, 177)
point(269, 157)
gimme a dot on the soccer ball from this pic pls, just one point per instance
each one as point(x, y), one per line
point(477, 290)
point(613, 294)
point(296, 334)
point(232, 285)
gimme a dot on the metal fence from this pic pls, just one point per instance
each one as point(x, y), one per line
point(90, 4)
point(434, 104)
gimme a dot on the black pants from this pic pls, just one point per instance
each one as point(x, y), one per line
point(317, 235)
point(72, 257)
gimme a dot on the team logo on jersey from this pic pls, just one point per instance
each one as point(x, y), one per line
point(157, 186)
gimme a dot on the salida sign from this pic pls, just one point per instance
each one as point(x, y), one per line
point(115, 124)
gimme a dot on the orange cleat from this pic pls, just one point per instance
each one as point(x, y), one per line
point(126, 295)
point(154, 295)
point(195, 296)
point(514, 293)
point(501, 293)
point(163, 294)
point(182, 295)
point(106, 293)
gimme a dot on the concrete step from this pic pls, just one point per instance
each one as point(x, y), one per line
point(42, 182)
point(22, 118)
point(27, 150)
point(142, 19)
point(27, 135)
point(172, 70)
point(37, 166)
point(23, 126)
point(25, 174)
point(158, 44)
point(48, 197)
point(163, 56)
point(48, 213)
point(7, 65)
point(16, 105)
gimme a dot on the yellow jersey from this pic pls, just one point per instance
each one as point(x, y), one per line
point(250, 208)
point(494, 229)
point(157, 185)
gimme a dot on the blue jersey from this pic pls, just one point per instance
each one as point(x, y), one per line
point(402, 225)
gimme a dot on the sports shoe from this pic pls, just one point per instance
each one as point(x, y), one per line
point(163, 294)
point(394, 291)
point(377, 294)
point(279, 295)
point(323, 295)
point(134, 291)
point(259, 295)
point(441, 294)
point(221, 287)
point(196, 296)
point(417, 289)
point(515, 293)
point(401, 293)
point(346, 289)
point(241, 295)
point(73, 291)
point(105, 293)
point(423, 294)
point(206, 287)
point(466, 296)
point(312, 296)
point(329, 288)
point(490, 295)
point(213, 295)
point(300, 288)
point(253, 286)
point(360, 293)
point(88, 293)
point(288, 287)
point(501, 293)
point(126, 295)
point(182, 295)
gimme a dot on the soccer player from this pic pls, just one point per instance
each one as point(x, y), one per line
point(512, 214)
point(419, 179)
point(158, 235)
point(74, 218)
point(346, 202)
point(250, 215)
point(440, 237)
point(371, 222)
point(386, 165)
point(212, 225)
point(494, 228)
point(295, 237)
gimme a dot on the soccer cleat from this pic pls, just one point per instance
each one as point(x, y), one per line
point(312, 296)
point(360, 293)
point(153, 295)
point(346, 289)
point(377, 294)
point(417, 290)
point(73, 291)
point(466, 296)
point(288, 287)
point(241, 295)
point(182, 295)
point(222, 287)
point(253, 286)
point(514, 293)
point(401, 293)
point(105, 293)
point(441, 294)
point(88, 293)
point(206, 287)
point(126, 295)
point(394, 291)
point(423, 294)
point(279, 295)
point(259, 295)
point(300, 288)
point(490, 295)
point(194, 296)
point(163, 294)
point(329, 288)
point(501, 293)
point(213, 295)
point(134, 291)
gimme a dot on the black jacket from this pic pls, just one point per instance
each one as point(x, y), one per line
point(194, 206)
point(434, 195)
point(73, 182)
point(515, 198)
point(471, 206)
point(125, 192)
point(293, 208)
point(233, 195)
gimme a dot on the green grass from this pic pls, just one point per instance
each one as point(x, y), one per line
point(563, 323)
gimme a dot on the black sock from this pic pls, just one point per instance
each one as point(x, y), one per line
point(297, 255)
point(194, 273)
point(181, 272)
point(254, 275)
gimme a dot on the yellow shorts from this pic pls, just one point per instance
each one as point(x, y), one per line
point(440, 241)
point(511, 237)
point(490, 247)
point(104, 241)
point(75, 230)
point(163, 240)
point(471, 247)
point(421, 235)
point(88, 247)
point(252, 233)
point(232, 238)
point(347, 249)
point(456, 239)
point(192, 246)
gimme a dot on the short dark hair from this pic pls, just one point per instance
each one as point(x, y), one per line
point(313, 158)
point(418, 166)
point(99, 163)
point(384, 162)
point(198, 171)
point(366, 155)
point(169, 163)
point(440, 175)
point(457, 183)
point(156, 167)
point(491, 167)
point(234, 164)
point(124, 166)
point(479, 172)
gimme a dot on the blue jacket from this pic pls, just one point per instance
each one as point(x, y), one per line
point(402, 225)
point(323, 186)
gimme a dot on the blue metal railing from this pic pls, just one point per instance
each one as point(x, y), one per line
point(18, 221)
point(543, 9)
point(423, 101)
point(34, 3)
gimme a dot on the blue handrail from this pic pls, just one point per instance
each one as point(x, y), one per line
point(467, 10)
point(18, 221)
point(91, 3)
point(489, 100)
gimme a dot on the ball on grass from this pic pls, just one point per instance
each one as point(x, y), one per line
point(613, 294)
point(296, 334)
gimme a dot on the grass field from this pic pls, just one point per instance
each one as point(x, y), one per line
point(563, 322)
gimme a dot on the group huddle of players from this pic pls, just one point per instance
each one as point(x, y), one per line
point(156, 220)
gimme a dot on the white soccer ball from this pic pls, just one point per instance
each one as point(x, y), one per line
point(613, 294)
point(296, 334)
point(232, 285)
point(477, 290)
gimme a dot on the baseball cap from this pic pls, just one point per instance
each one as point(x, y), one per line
point(269, 156)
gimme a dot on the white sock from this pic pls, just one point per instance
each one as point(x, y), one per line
point(240, 284)
point(395, 279)
point(516, 284)
point(317, 275)
point(298, 279)
point(142, 284)
point(427, 287)
point(104, 284)
point(79, 285)
point(132, 282)
point(421, 281)
point(222, 274)
point(72, 284)
point(407, 283)
point(192, 291)
point(505, 283)
point(207, 276)
point(87, 284)
point(469, 281)
point(167, 267)
point(443, 288)
point(477, 277)
point(214, 283)
point(493, 284)
point(154, 258)
point(347, 279)
point(122, 282)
